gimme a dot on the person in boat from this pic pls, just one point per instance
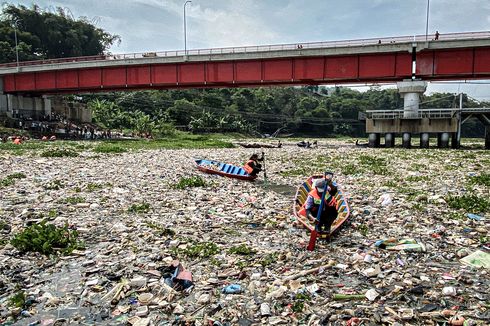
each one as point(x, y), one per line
point(312, 204)
point(304, 144)
point(253, 166)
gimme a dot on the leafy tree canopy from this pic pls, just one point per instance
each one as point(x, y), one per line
point(46, 35)
point(300, 110)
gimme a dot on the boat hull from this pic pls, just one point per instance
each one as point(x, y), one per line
point(258, 145)
point(224, 169)
point(343, 208)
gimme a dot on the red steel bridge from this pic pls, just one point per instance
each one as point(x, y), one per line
point(457, 56)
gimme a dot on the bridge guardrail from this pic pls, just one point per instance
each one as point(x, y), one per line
point(420, 114)
point(258, 48)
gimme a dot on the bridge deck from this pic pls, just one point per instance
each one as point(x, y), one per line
point(370, 45)
point(452, 57)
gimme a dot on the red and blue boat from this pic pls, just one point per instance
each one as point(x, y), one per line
point(224, 169)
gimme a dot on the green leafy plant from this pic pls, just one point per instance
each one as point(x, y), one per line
point(299, 302)
point(455, 216)
point(59, 152)
point(139, 208)
point(109, 148)
point(10, 179)
point(470, 203)
point(482, 179)
point(363, 229)
point(416, 178)
point(190, 182)
point(200, 250)
point(160, 229)
point(349, 169)
point(269, 259)
point(18, 300)
point(5, 182)
point(17, 175)
point(46, 239)
point(74, 200)
point(242, 263)
point(91, 187)
point(53, 213)
point(390, 184)
point(54, 185)
point(242, 249)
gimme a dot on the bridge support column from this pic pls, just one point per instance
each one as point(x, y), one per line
point(455, 142)
point(444, 140)
point(389, 140)
point(3, 99)
point(13, 105)
point(487, 137)
point(406, 140)
point(411, 90)
point(424, 140)
point(46, 105)
point(374, 140)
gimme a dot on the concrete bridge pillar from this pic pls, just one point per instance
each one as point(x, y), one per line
point(47, 105)
point(406, 140)
point(3, 99)
point(411, 90)
point(444, 140)
point(374, 140)
point(487, 137)
point(389, 140)
point(12, 105)
point(424, 140)
point(455, 142)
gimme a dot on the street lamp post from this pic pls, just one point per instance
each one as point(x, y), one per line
point(16, 45)
point(185, 30)
point(427, 23)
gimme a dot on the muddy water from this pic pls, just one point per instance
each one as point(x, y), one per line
point(285, 190)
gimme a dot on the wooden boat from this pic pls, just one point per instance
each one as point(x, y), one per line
point(342, 209)
point(257, 145)
point(224, 169)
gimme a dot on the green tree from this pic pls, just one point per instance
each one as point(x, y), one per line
point(46, 35)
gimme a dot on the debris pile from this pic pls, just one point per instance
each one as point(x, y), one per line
point(225, 252)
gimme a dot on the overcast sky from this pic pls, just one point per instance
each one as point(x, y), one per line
point(157, 25)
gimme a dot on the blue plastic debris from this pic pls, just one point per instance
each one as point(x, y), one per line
point(232, 289)
point(475, 217)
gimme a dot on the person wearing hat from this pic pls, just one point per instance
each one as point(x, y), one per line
point(312, 204)
point(252, 167)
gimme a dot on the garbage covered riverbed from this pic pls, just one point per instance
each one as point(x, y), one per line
point(144, 238)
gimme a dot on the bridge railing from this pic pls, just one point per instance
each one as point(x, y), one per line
point(420, 114)
point(260, 48)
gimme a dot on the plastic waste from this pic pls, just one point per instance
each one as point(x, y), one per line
point(385, 200)
point(371, 294)
point(406, 244)
point(477, 259)
point(265, 309)
point(475, 217)
point(232, 289)
point(449, 291)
